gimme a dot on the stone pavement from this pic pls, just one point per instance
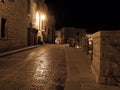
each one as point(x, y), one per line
point(42, 68)
point(80, 76)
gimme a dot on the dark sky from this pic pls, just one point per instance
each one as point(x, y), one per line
point(92, 15)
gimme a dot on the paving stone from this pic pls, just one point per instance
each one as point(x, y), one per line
point(35, 71)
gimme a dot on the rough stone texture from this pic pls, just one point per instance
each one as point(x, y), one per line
point(42, 68)
point(96, 55)
point(49, 34)
point(15, 14)
point(20, 16)
point(106, 49)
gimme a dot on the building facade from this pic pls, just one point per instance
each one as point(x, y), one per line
point(13, 24)
point(69, 33)
point(18, 22)
point(49, 34)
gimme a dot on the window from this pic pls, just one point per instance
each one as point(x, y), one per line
point(2, 28)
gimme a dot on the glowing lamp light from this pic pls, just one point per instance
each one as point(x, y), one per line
point(37, 17)
point(42, 17)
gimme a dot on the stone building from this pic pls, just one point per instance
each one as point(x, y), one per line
point(32, 29)
point(106, 63)
point(49, 34)
point(68, 33)
point(14, 22)
point(18, 22)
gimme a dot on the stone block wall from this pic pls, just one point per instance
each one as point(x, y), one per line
point(15, 14)
point(96, 55)
point(106, 63)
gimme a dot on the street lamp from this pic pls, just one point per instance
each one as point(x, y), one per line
point(42, 17)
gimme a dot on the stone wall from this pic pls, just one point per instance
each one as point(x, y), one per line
point(20, 18)
point(96, 55)
point(106, 63)
point(50, 27)
point(15, 14)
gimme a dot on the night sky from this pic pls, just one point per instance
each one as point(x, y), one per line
point(92, 15)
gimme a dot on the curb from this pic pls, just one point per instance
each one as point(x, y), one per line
point(16, 51)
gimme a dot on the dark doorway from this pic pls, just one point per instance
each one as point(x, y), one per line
point(32, 36)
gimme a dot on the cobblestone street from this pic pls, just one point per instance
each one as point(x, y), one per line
point(49, 67)
point(42, 68)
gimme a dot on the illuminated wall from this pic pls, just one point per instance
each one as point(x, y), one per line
point(15, 18)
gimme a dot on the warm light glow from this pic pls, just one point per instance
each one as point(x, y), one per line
point(42, 17)
point(37, 18)
point(41, 69)
point(77, 47)
point(39, 21)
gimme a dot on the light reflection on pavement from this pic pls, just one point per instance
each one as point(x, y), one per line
point(36, 69)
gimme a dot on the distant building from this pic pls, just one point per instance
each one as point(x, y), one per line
point(70, 33)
